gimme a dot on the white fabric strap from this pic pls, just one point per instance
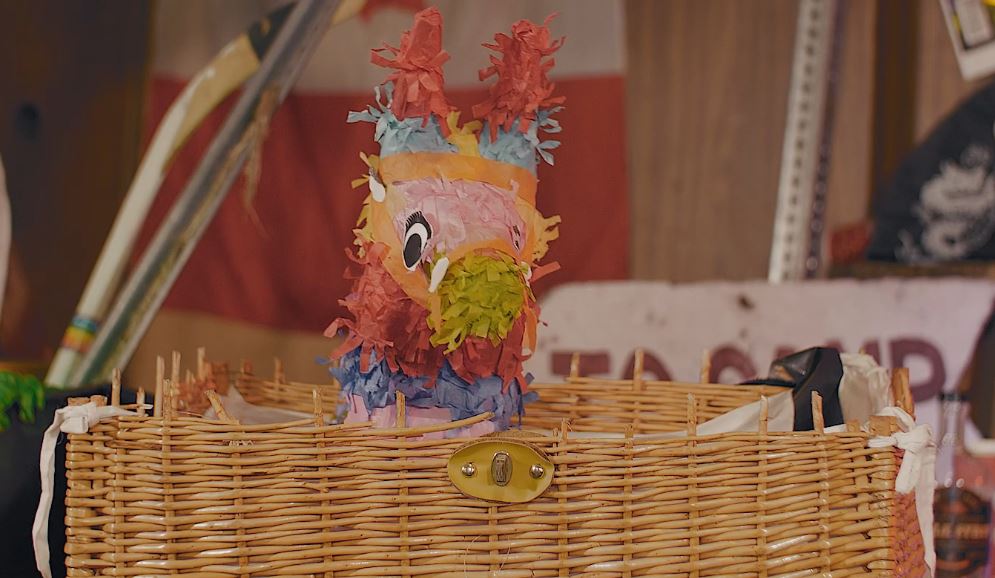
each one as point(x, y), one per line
point(917, 471)
point(72, 419)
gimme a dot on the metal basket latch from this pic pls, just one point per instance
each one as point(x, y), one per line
point(500, 470)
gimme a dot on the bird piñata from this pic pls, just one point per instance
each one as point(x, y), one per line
point(449, 238)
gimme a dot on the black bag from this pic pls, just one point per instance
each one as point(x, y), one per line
point(817, 369)
point(940, 204)
point(20, 488)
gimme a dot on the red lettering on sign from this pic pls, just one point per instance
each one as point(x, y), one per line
point(907, 347)
point(591, 363)
point(726, 357)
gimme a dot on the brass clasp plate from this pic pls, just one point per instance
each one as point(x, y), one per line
point(500, 470)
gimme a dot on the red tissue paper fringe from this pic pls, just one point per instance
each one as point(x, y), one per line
point(522, 87)
point(418, 80)
point(385, 321)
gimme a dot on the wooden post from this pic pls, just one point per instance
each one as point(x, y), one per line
point(705, 373)
point(764, 415)
point(692, 416)
point(638, 364)
point(160, 376)
point(167, 400)
point(900, 390)
point(278, 375)
point(174, 399)
point(116, 387)
point(174, 375)
point(401, 420)
point(819, 423)
point(219, 408)
point(201, 363)
point(574, 366)
point(319, 413)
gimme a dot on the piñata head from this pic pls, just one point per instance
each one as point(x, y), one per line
point(449, 236)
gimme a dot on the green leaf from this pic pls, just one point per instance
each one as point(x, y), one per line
point(31, 397)
point(26, 391)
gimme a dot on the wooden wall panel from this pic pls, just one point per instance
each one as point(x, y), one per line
point(850, 166)
point(72, 86)
point(707, 91)
point(707, 96)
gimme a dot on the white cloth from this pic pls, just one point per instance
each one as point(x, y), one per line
point(865, 388)
point(249, 414)
point(72, 419)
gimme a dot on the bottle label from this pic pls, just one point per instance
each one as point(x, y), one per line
point(961, 526)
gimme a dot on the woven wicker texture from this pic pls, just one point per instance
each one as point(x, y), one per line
point(201, 498)
point(166, 496)
point(209, 499)
point(604, 406)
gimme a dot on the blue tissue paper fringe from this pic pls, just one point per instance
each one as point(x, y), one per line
point(411, 135)
point(396, 135)
point(522, 148)
point(378, 388)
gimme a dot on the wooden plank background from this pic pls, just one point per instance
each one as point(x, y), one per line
point(706, 95)
point(707, 91)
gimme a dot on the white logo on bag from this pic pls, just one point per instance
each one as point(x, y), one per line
point(956, 208)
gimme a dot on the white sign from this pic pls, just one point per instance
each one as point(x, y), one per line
point(972, 32)
point(927, 325)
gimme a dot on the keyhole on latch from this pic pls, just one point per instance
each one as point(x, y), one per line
point(501, 468)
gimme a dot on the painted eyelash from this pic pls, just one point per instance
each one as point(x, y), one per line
point(413, 218)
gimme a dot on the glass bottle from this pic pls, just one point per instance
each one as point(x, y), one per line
point(962, 503)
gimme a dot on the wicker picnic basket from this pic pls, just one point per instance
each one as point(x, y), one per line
point(176, 495)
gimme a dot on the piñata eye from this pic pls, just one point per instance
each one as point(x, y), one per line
point(417, 232)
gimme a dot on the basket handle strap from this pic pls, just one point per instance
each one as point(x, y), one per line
point(72, 419)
